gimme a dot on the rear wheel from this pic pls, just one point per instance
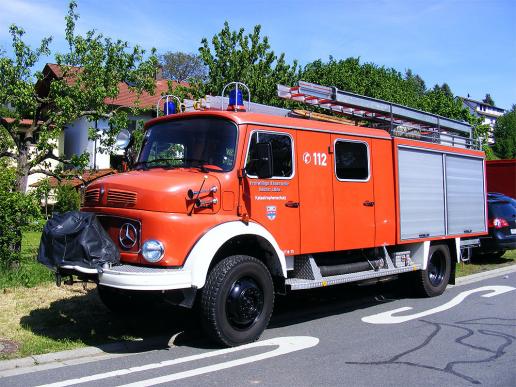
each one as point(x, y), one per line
point(433, 281)
point(237, 300)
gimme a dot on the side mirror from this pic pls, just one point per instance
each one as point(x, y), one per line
point(262, 160)
point(123, 139)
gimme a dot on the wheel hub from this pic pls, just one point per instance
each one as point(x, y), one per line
point(244, 303)
point(436, 269)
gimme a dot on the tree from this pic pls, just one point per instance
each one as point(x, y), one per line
point(385, 83)
point(440, 100)
point(505, 135)
point(235, 56)
point(181, 66)
point(488, 100)
point(91, 71)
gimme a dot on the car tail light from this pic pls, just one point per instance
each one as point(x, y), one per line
point(498, 223)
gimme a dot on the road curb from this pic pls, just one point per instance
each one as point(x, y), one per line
point(81, 355)
point(484, 275)
point(106, 351)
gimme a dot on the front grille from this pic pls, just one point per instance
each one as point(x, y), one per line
point(92, 196)
point(118, 198)
point(116, 228)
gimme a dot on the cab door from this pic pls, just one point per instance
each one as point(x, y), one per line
point(353, 202)
point(315, 166)
point(274, 202)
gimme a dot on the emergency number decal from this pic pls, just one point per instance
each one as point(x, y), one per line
point(316, 158)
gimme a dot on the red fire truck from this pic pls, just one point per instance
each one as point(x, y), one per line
point(230, 206)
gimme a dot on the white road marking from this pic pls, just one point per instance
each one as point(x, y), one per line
point(284, 345)
point(388, 318)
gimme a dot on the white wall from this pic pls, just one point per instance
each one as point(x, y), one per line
point(76, 140)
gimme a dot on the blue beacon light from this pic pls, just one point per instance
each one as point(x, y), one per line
point(169, 108)
point(236, 100)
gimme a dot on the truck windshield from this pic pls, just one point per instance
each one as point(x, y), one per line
point(207, 143)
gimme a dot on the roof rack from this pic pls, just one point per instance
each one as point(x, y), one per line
point(399, 120)
point(210, 102)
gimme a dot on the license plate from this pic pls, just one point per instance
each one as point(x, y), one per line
point(513, 230)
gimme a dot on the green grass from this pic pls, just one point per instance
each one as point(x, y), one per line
point(28, 272)
point(47, 318)
point(480, 264)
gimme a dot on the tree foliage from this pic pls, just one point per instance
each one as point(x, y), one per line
point(91, 71)
point(505, 135)
point(182, 66)
point(16, 210)
point(248, 58)
point(384, 83)
point(488, 100)
point(67, 198)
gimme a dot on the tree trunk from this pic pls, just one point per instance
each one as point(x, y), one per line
point(22, 170)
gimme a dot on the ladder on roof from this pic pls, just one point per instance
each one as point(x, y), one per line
point(398, 119)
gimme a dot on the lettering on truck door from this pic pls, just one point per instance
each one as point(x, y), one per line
point(354, 202)
point(274, 202)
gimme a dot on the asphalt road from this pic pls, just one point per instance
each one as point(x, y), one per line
point(335, 336)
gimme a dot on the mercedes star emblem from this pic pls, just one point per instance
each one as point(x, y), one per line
point(127, 235)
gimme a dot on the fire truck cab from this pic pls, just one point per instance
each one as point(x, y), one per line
point(230, 208)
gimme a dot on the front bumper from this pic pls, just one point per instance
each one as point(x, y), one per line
point(133, 277)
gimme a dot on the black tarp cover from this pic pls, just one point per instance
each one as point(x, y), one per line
point(76, 238)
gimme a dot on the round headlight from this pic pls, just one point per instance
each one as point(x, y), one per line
point(153, 250)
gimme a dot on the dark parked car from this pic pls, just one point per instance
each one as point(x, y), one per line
point(501, 211)
point(501, 196)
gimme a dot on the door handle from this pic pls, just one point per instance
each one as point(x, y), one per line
point(291, 204)
point(367, 203)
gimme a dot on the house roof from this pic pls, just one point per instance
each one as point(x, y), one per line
point(481, 103)
point(87, 177)
point(23, 122)
point(126, 97)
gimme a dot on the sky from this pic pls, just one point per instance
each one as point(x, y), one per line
point(471, 45)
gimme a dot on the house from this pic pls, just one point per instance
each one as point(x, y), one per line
point(75, 140)
point(488, 113)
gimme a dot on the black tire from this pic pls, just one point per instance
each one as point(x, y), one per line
point(237, 300)
point(126, 302)
point(496, 254)
point(433, 281)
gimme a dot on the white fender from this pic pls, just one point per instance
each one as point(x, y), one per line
point(199, 259)
point(457, 249)
point(419, 252)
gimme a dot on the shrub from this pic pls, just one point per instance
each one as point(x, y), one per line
point(16, 211)
point(68, 199)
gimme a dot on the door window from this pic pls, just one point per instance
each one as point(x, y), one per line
point(351, 160)
point(282, 155)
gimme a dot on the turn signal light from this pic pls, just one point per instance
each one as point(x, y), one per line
point(497, 223)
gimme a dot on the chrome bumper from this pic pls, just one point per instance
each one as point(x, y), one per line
point(132, 277)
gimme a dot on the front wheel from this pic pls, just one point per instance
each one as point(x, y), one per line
point(432, 281)
point(237, 300)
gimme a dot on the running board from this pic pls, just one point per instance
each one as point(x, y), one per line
point(303, 283)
